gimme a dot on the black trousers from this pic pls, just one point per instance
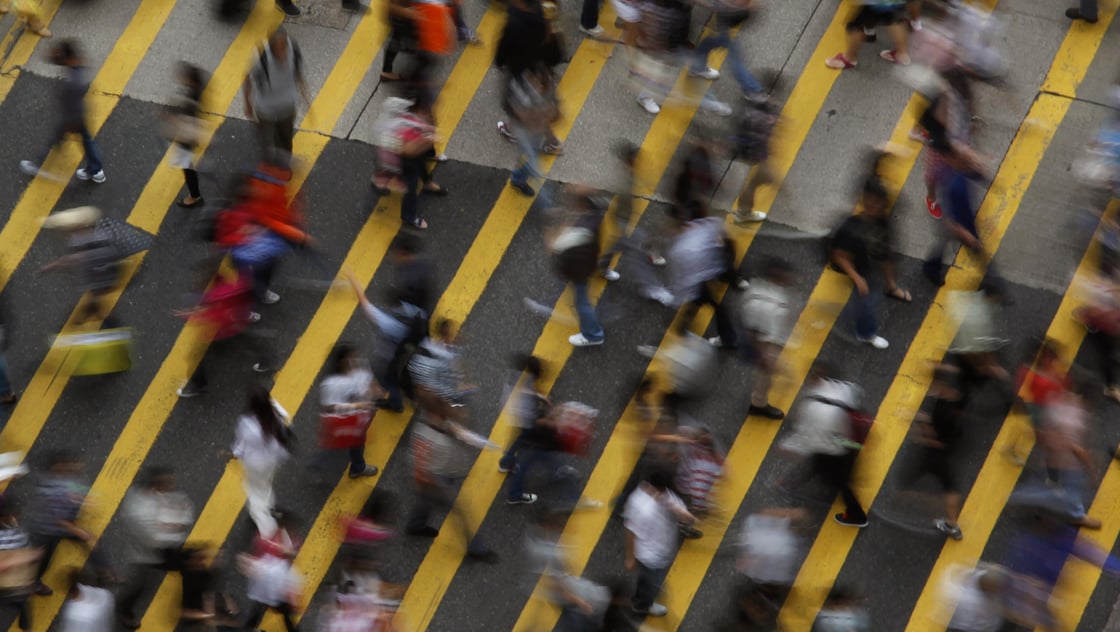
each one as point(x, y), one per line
point(836, 469)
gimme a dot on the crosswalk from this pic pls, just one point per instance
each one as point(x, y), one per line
point(485, 238)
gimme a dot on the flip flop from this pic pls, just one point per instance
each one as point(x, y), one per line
point(899, 295)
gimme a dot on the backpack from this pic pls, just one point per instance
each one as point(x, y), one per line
point(264, 61)
point(751, 137)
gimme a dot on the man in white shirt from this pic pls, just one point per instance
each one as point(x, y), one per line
point(653, 515)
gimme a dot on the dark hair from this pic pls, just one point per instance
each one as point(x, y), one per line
point(260, 405)
point(337, 363)
point(155, 474)
point(406, 243)
point(531, 364)
point(627, 152)
point(66, 49)
point(660, 479)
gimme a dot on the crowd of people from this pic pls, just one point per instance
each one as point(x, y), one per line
point(685, 259)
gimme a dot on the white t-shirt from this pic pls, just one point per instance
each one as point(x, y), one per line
point(347, 388)
point(256, 451)
point(91, 611)
point(653, 525)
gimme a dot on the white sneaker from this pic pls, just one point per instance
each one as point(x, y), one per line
point(878, 342)
point(657, 260)
point(254, 317)
point(596, 31)
point(719, 108)
point(270, 298)
point(649, 105)
point(742, 284)
point(658, 610)
point(579, 340)
point(708, 73)
point(916, 25)
point(659, 294)
point(83, 174)
point(750, 217)
point(29, 167)
point(611, 275)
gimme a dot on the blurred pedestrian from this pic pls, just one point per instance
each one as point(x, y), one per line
point(574, 246)
point(204, 605)
point(92, 253)
point(72, 97)
point(88, 606)
point(1063, 437)
point(752, 142)
point(729, 15)
point(975, 598)
point(766, 322)
point(843, 611)
point(869, 16)
point(349, 389)
point(263, 442)
point(416, 137)
point(652, 514)
point(1101, 318)
point(529, 403)
point(401, 16)
point(56, 506)
point(273, 585)
point(159, 517)
point(272, 91)
point(185, 130)
point(18, 560)
point(701, 469)
point(582, 602)
point(530, 101)
point(8, 395)
point(28, 11)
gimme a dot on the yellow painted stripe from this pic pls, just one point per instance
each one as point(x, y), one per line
point(42, 194)
point(24, 48)
point(909, 387)
point(53, 374)
point(470, 69)
point(998, 476)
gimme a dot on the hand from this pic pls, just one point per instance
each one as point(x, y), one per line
point(630, 564)
point(861, 286)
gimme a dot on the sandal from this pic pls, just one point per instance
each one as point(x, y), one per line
point(434, 188)
point(419, 224)
point(899, 294)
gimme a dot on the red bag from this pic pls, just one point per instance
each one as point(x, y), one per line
point(226, 306)
point(861, 425)
point(574, 427)
point(1097, 318)
point(343, 430)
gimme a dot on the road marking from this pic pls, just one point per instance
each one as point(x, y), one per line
point(470, 69)
point(42, 193)
point(998, 476)
point(22, 49)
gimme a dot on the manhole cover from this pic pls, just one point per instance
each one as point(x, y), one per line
point(325, 13)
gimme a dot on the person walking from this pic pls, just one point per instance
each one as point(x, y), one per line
point(530, 404)
point(729, 14)
point(530, 101)
point(56, 504)
point(871, 15)
point(263, 441)
point(186, 130)
point(30, 12)
point(72, 97)
point(159, 517)
point(767, 321)
point(350, 388)
point(574, 246)
point(18, 558)
point(272, 91)
point(652, 515)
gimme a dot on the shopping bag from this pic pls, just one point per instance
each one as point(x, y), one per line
point(100, 352)
point(343, 431)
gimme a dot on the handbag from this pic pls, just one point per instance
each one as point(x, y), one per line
point(338, 431)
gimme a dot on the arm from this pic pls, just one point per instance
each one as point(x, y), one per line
point(247, 92)
point(843, 260)
point(630, 563)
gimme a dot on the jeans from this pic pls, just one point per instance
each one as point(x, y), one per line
point(722, 39)
point(556, 477)
point(5, 381)
point(589, 15)
point(441, 494)
point(864, 307)
point(413, 171)
point(93, 155)
point(509, 459)
point(1088, 10)
point(836, 470)
point(648, 586)
point(529, 142)
point(588, 320)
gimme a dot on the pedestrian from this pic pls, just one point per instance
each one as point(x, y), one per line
point(18, 559)
point(582, 602)
point(272, 91)
point(700, 256)
point(843, 611)
point(530, 403)
point(88, 607)
point(263, 442)
point(8, 395)
point(752, 143)
point(729, 15)
point(701, 469)
point(530, 101)
point(531, 40)
point(56, 504)
point(399, 330)
point(652, 514)
point(349, 389)
point(416, 137)
point(1063, 438)
point(434, 376)
point(273, 585)
point(542, 444)
point(869, 16)
point(862, 243)
point(766, 323)
point(92, 252)
point(29, 12)
point(824, 433)
point(1042, 377)
point(290, 9)
point(574, 246)
point(72, 96)
point(159, 517)
point(975, 598)
point(204, 605)
point(1101, 318)
point(185, 130)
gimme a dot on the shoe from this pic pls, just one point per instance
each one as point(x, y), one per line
point(710, 74)
point(647, 351)
point(758, 98)
point(595, 31)
point(690, 533)
point(718, 343)
point(287, 7)
point(750, 217)
point(843, 519)
point(916, 25)
point(254, 317)
point(503, 131)
point(895, 57)
point(767, 411)
point(656, 610)
point(187, 391)
point(878, 342)
point(486, 556)
point(869, 34)
point(649, 105)
point(919, 135)
point(523, 188)
point(523, 499)
point(9, 400)
point(183, 203)
point(840, 62)
point(43, 590)
point(719, 108)
point(741, 284)
point(934, 208)
point(370, 470)
point(552, 149)
point(83, 174)
point(505, 469)
point(953, 531)
point(657, 260)
point(661, 295)
point(579, 340)
point(611, 275)
point(1075, 14)
point(260, 367)
point(270, 298)
point(424, 531)
point(29, 167)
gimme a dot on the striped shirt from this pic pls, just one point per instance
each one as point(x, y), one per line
point(698, 474)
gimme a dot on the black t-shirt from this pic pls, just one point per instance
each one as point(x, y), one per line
point(866, 239)
point(943, 420)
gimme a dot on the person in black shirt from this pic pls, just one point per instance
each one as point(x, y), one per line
point(412, 283)
point(863, 242)
point(937, 435)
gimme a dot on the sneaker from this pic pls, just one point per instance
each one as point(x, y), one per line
point(1075, 14)
point(690, 533)
point(953, 531)
point(649, 105)
point(657, 260)
point(895, 57)
point(934, 208)
point(260, 367)
point(270, 298)
point(757, 98)
point(29, 167)
point(595, 31)
point(717, 342)
point(523, 188)
point(919, 135)
point(505, 469)
point(523, 499)
point(503, 131)
point(916, 25)
point(442, 158)
point(611, 275)
point(878, 342)
point(840, 61)
point(656, 610)
point(843, 519)
point(719, 108)
point(370, 470)
point(287, 7)
point(751, 217)
point(741, 284)
point(187, 391)
point(579, 340)
point(767, 411)
point(660, 295)
point(254, 317)
point(710, 74)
